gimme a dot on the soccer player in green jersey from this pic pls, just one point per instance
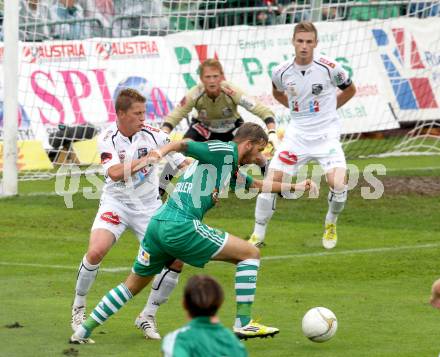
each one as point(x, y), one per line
point(176, 230)
point(204, 335)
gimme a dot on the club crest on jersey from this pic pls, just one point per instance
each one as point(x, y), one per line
point(288, 158)
point(142, 152)
point(227, 112)
point(143, 257)
point(317, 88)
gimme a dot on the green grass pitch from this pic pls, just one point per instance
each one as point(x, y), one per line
point(377, 281)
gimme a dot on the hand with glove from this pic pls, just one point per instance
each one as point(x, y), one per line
point(273, 139)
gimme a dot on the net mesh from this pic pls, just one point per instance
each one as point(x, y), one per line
point(75, 56)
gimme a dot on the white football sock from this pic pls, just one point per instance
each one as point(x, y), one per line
point(336, 203)
point(162, 287)
point(86, 276)
point(264, 210)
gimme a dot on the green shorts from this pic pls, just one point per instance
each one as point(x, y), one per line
point(193, 242)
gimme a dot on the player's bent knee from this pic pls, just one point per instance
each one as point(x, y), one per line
point(339, 187)
point(338, 195)
point(252, 252)
point(267, 196)
point(95, 256)
point(135, 283)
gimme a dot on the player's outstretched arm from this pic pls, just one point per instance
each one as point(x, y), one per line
point(154, 156)
point(278, 187)
point(181, 111)
point(124, 170)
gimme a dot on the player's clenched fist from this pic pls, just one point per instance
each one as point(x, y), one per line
point(307, 185)
point(153, 157)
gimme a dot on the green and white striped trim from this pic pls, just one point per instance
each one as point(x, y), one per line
point(207, 233)
point(223, 244)
point(220, 147)
point(111, 303)
point(251, 263)
point(246, 280)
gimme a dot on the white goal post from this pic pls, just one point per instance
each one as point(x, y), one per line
point(10, 173)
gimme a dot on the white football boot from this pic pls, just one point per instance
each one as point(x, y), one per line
point(148, 325)
point(78, 317)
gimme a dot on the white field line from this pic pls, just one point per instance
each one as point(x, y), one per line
point(275, 257)
point(426, 168)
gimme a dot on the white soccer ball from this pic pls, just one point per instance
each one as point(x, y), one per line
point(319, 324)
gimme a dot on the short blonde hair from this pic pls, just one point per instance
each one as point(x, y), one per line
point(305, 26)
point(126, 98)
point(211, 62)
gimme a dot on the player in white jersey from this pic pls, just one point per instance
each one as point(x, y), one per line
point(130, 198)
point(307, 85)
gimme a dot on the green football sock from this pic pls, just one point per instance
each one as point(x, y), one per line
point(245, 286)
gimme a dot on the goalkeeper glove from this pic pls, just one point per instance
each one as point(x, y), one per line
point(273, 139)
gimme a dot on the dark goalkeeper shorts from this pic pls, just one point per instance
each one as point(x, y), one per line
point(193, 242)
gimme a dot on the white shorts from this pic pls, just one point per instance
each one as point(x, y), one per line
point(116, 216)
point(295, 152)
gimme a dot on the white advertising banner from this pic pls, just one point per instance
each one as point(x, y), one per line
point(76, 82)
point(249, 55)
point(408, 56)
point(395, 65)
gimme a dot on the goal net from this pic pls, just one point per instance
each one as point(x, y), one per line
point(74, 61)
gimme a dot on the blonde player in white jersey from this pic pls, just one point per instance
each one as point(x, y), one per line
point(307, 85)
point(130, 198)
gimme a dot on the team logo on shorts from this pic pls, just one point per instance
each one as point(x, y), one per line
point(288, 158)
point(317, 89)
point(143, 257)
point(111, 217)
